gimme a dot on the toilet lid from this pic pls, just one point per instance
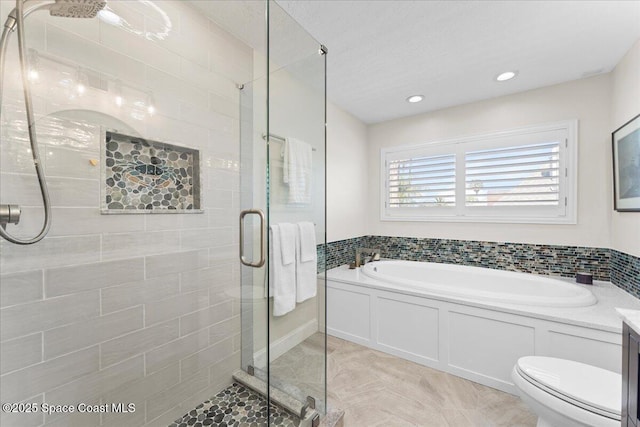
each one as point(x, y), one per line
point(592, 388)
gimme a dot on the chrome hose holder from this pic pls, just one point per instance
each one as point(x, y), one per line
point(9, 214)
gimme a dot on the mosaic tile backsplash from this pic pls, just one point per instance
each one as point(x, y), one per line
point(343, 251)
point(144, 176)
point(625, 272)
point(529, 258)
point(621, 269)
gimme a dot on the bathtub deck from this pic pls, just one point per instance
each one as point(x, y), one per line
point(601, 316)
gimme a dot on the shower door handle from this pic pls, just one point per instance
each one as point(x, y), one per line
point(243, 260)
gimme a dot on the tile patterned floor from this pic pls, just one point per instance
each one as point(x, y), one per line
point(300, 371)
point(373, 388)
point(377, 389)
point(236, 406)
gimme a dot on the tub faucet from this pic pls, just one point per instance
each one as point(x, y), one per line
point(374, 255)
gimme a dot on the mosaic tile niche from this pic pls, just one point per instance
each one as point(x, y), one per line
point(144, 176)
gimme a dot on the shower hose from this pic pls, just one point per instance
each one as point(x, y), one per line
point(10, 25)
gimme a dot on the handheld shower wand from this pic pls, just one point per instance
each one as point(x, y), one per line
point(10, 214)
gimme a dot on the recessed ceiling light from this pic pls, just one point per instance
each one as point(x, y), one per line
point(415, 98)
point(508, 75)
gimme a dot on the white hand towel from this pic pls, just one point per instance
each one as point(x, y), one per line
point(282, 278)
point(308, 250)
point(306, 262)
point(288, 237)
point(284, 242)
point(297, 170)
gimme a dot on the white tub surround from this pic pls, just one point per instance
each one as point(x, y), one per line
point(632, 317)
point(473, 338)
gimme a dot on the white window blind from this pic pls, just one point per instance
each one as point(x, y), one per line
point(520, 175)
point(422, 181)
point(527, 175)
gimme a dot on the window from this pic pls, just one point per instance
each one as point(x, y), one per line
point(422, 181)
point(521, 175)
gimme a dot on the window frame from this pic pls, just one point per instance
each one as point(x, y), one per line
point(568, 183)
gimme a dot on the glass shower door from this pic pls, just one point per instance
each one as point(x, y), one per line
point(283, 199)
point(296, 199)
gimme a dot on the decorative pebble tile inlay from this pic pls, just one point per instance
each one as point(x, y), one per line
point(143, 175)
point(236, 406)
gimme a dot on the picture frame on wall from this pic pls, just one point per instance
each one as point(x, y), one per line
point(626, 166)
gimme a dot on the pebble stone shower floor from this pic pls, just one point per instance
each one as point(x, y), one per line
point(236, 406)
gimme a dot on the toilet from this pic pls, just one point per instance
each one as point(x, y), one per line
point(564, 393)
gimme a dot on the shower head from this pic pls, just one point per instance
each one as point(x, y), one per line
point(77, 8)
point(61, 8)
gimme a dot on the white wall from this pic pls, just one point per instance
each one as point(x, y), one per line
point(587, 100)
point(347, 180)
point(625, 104)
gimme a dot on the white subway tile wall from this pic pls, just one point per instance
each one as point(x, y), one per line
point(20, 352)
point(139, 309)
point(20, 288)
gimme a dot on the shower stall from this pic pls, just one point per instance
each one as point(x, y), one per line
point(144, 290)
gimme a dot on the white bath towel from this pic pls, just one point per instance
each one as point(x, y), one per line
point(306, 262)
point(297, 171)
point(282, 277)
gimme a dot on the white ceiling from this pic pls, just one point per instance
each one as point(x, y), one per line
point(380, 52)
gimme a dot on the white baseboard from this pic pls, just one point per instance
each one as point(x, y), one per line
point(286, 343)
